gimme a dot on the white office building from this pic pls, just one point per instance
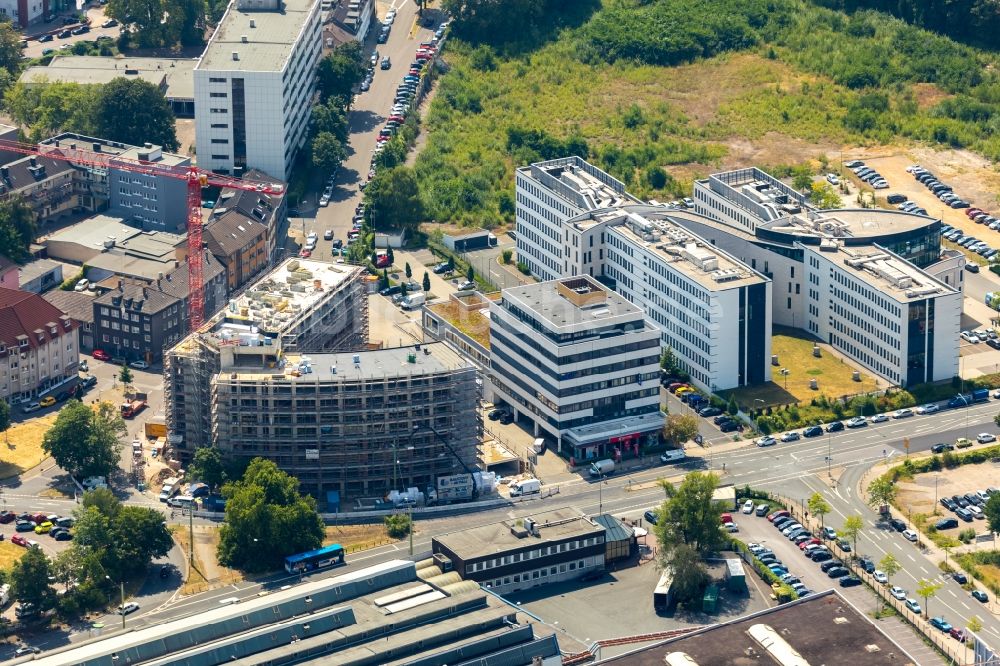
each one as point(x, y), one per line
point(580, 362)
point(254, 84)
point(712, 310)
point(548, 194)
point(883, 312)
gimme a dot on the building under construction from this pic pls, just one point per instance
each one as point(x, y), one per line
point(284, 373)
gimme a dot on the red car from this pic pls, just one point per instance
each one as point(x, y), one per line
point(101, 355)
point(398, 118)
point(973, 211)
point(808, 542)
point(957, 634)
point(777, 514)
point(305, 254)
point(38, 518)
point(19, 540)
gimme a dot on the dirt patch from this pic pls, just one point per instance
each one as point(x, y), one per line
point(185, 135)
point(928, 95)
point(206, 573)
point(357, 537)
point(917, 495)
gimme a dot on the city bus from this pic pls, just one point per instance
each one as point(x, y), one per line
point(315, 560)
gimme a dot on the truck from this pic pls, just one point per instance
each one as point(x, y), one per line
point(525, 487)
point(452, 488)
point(94, 482)
point(965, 399)
point(170, 488)
point(604, 467)
point(672, 456)
point(132, 407)
point(414, 301)
point(538, 446)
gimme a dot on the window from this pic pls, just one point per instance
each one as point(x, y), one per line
point(215, 79)
point(220, 140)
point(220, 125)
point(218, 94)
point(220, 157)
point(220, 110)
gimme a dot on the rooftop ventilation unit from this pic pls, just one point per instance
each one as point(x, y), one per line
point(726, 275)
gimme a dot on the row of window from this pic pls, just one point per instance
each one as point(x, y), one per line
point(535, 553)
point(535, 575)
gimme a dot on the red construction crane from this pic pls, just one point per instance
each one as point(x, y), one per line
point(196, 179)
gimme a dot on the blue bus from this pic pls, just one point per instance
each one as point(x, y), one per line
point(315, 560)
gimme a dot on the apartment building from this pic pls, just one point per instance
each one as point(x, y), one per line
point(580, 362)
point(45, 184)
point(883, 312)
point(253, 86)
point(354, 17)
point(24, 13)
point(39, 349)
point(548, 194)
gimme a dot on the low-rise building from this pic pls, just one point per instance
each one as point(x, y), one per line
point(45, 184)
point(521, 553)
point(39, 350)
point(580, 362)
point(39, 275)
point(80, 307)
point(354, 17)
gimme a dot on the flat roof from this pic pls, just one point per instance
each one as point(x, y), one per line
point(850, 222)
point(36, 268)
point(823, 628)
point(178, 71)
point(580, 183)
point(554, 525)
point(150, 153)
point(652, 228)
point(888, 273)
point(549, 304)
point(269, 43)
point(278, 299)
point(433, 358)
point(105, 232)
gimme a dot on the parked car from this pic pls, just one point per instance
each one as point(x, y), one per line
point(812, 431)
point(791, 436)
point(980, 596)
point(897, 592)
point(857, 422)
point(912, 605)
point(101, 355)
point(897, 524)
point(910, 535)
point(940, 623)
point(128, 608)
point(880, 577)
point(836, 426)
point(941, 447)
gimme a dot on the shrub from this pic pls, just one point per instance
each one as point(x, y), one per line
point(398, 525)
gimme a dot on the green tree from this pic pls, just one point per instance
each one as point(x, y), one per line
point(142, 19)
point(731, 407)
point(890, 565)
point(10, 55)
point(679, 428)
point(881, 492)
point(819, 507)
point(208, 466)
point(506, 254)
point(824, 196)
point(17, 228)
point(330, 118)
point(103, 500)
point(328, 153)
point(802, 177)
point(407, 271)
point(134, 111)
point(426, 284)
point(996, 419)
point(470, 274)
point(126, 378)
point(396, 196)
point(851, 529)
point(656, 177)
point(927, 589)
point(403, 290)
point(44, 108)
point(451, 263)
point(29, 580)
point(118, 540)
point(5, 419)
point(85, 442)
point(185, 22)
point(340, 71)
point(668, 360)
point(266, 519)
point(992, 511)
point(398, 525)
point(688, 528)
point(391, 256)
point(690, 574)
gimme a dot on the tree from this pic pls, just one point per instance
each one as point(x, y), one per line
point(690, 575)
point(996, 419)
point(992, 511)
point(668, 360)
point(391, 256)
point(426, 284)
point(470, 274)
point(403, 290)
point(819, 507)
point(398, 525)
point(396, 196)
point(266, 519)
point(185, 22)
point(122, 539)
point(451, 263)
point(679, 428)
point(824, 196)
point(85, 442)
point(881, 492)
point(974, 625)
point(17, 228)
point(731, 407)
point(125, 377)
point(103, 500)
point(208, 467)
point(5, 419)
point(328, 152)
point(340, 71)
point(688, 529)
point(802, 177)
point(141, 18)
point(135, 111)
point(29, 580)
point(927, 589)
point(331, 118)
point(890, 565)
point(408, 271)
point(506, 254)
point(853, 524)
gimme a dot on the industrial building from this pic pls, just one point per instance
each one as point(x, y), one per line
point(391, 613)
point(579, 361)
point(518, 554)
point(253, 86)
point(283, 372)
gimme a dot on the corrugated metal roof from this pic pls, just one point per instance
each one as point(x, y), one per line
point(615, 530)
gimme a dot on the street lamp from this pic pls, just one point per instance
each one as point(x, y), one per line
point(784, 373)
point(600, 494)
point(121, 609)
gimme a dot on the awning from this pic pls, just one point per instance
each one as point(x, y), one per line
point(618, 429)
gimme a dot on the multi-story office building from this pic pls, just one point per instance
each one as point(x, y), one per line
point(548, 547)
point(579, 361)
point(548, 194)
point(883, 312)
point(253, 86)
point(149, 202)
point(39, 350)
point(265, 378)
point(713, 311)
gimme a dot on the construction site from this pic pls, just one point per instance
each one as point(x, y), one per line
point(285, 372)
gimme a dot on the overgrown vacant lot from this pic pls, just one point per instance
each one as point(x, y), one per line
point(736, 82)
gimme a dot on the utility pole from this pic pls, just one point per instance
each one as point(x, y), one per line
point(191, 535)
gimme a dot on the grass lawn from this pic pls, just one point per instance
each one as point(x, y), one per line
point(795, 353)
point(357, 537)
point(9, 554)
point(22, 449)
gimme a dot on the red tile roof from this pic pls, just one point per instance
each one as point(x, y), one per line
point(27, 315)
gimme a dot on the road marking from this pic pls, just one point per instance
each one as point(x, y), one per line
point(912, 558)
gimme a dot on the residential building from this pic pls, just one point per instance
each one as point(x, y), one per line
point(147, 201)
point(140, 320)
point(24, 13)
point(548, 194)
point(254, 84)
point(39, 275)
point(822, 628)
point(45, 184)
point(173, 76)
point(300, 391)
point(394, 612)
point(354, 17)
point(518, 554)
point(39, 351)
point(580, 362)
point(80, 307)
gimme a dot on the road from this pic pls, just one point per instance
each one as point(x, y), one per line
point(368, 113)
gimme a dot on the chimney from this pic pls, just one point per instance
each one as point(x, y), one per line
point(147, 145)
point(145, 294)
point(121, 285)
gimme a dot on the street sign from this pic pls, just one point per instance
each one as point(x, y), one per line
point(906, 444)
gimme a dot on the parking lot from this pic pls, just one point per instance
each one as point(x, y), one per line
point(36, 49)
